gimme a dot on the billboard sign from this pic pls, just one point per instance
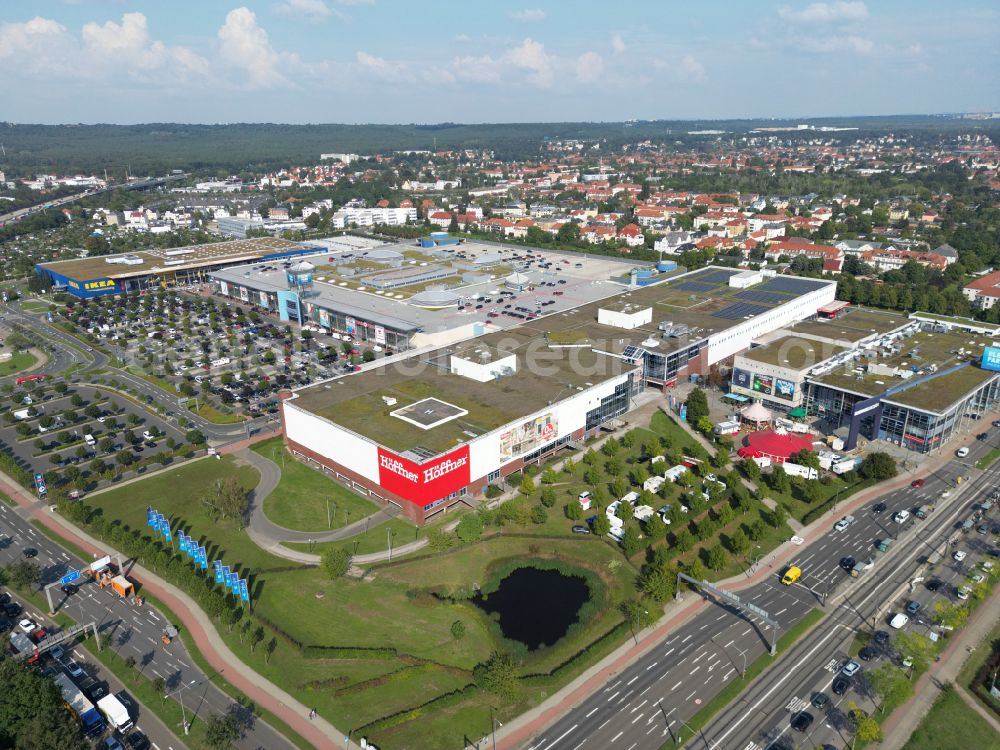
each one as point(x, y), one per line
point(763, 383)
point(379, 335)
point(349, 324)
point(991, 359)
point(224, 288)
point(741, 378)
point(244, 294)
point(530, 434)
point(784, 389)
point(426, 482)
point(263, 299)
point(324, 318)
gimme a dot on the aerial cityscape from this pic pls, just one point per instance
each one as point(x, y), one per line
point(518, 377)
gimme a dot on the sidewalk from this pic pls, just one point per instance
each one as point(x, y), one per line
point(519, 731)
point(904, 720)
point(318, 732)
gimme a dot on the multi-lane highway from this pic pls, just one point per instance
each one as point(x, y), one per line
point(647, 704)
point(129, 630)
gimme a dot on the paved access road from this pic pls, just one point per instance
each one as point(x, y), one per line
point(647, 703)
point(129, 630)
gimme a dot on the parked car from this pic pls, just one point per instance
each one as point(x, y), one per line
point(841, 685)
point(820, 700)
point(959, 555)
point(802, 721)
point(850, 668)
point(912, 607)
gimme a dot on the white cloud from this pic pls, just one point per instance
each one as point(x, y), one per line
point(618, 44)
point(39, 45)
point(245, 46)
point(307, 10)
point(129, 46)
point(686, 70)
point(380, 67)
point(589, 67)
point(528, 15)
point(827, 44)
point(531, 56)
point(483, 69)
point(834, 12)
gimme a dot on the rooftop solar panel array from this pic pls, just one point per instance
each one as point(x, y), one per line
point(790, 286)
point(713, 277)
point(739, 311)
point(695, 286)
point(768, 298)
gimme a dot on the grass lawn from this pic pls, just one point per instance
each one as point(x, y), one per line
point(988, 459)
point(952, 725)
point(35, 307)
point(159, 382)
point(213, 415)
point(304, 495)
point(177, 493)
point(18, 362)
point(375, 540)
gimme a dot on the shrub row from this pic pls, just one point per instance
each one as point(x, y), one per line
point(409, 714)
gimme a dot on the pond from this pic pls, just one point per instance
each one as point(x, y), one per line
point(535, 606)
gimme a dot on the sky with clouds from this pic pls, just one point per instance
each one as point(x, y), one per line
point(392, 61)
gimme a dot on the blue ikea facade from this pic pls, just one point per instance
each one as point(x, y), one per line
point(82, 288)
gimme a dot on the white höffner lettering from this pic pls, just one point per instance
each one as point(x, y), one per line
point(396, 467)
point(445, 467)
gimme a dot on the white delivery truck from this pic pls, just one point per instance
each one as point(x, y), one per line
point(115, 712)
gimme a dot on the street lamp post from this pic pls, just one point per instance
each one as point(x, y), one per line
point(180, 699)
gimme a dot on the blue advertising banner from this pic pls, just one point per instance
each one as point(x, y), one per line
point(244, 591)
point(182, 541)
point(166, 531)
point(741, 378)
point(232, 581)
point(203, 558)
point(218, 572)
point(991, 359)
point(784, 389)
point(150, 515)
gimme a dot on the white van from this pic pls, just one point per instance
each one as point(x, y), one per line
point(962, 452)
point(89, 439)
point(147, 435)
point(898, 621)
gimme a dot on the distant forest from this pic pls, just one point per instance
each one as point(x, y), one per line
point(156, 148)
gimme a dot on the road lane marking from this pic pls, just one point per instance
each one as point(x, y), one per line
point(592, 712)
point(617, 736)
point(639, 706)
point(687, 638)
point(560, 737)
point(669, 652)
point(649, 668)
point(613, 696)
point(676, 686)
point(632, 680)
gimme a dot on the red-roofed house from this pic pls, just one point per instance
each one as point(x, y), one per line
point(441, 218)
point(795, 246)
point(984, 291)
point(632, 235)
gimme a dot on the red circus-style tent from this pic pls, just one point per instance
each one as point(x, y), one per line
point(777, 445)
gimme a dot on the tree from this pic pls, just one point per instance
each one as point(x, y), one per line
point(697, 405)
point(878, 466)
point(625, 511)
point(548, 497)
point(812, 490)
point(739, 542)
point(497, 675)
point(778, 480)
point(866, 729)
point(229, 499)
point(890, 684)
point(778, 515)
point(159, 686)
point(31, 715)
point(704, 426)
point(602, 526)
point(527, 485)
point(950, 615)
point(222, 731)
point(655, 528)
point(255, 637)
point(539, 515)
point(684, 539)
point(631, 540)
point(269, 648)
point(808, 458)
point(457, 630)
point(23, 574)
point(636, 614)
point(716, 557)
point(470, 528)
point(549, 476)
point(335, 562)
point(657, 583)
point(574, 511)
point(195, 437)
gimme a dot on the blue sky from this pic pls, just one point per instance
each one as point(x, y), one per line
point(394, 61)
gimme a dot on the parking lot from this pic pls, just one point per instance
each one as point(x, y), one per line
point(78, 436)
point(232, 359)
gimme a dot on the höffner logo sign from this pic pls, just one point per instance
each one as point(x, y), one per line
point(396, 467)
point(445, 467)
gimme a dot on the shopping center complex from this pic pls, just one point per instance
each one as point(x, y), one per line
point(436, 428)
